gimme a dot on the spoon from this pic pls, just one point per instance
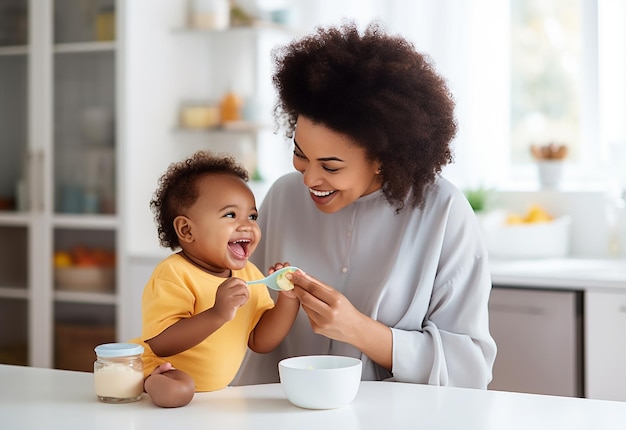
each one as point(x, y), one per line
point(277, 279)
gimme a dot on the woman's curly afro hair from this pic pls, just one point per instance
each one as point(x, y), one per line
point(177, 189)
point(379, 91)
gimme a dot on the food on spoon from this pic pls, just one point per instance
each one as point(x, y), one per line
point(284, 283)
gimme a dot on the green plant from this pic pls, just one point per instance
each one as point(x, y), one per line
point(477, 198)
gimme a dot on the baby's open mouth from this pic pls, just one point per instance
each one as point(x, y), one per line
point(239, 247)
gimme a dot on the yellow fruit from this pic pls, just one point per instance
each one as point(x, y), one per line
point(513, 219)
point(537, 214)
point(62, 259)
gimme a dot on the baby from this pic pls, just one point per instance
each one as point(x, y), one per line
point(198, 314)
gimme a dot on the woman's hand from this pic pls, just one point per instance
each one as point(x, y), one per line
point(332, 315)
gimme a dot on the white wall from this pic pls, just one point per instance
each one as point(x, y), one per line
point(162, 68)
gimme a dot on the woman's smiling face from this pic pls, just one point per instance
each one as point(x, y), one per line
point(336, 170)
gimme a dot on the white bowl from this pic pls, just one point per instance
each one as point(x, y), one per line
point(320, 381)
point(536, 240)
point(78, 278)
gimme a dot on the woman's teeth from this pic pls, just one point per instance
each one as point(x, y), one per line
point(320, 193)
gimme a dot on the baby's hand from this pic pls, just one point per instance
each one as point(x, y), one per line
point(231, 294)
point(277, 266)
point(162, 368)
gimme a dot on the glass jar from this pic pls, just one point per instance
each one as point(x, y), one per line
point(118, 372)
point(210, 14)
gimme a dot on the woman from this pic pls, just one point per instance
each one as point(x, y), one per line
point(398, 272)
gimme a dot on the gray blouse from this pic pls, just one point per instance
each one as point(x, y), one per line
point(423, 272)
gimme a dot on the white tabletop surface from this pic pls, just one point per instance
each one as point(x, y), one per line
point(33, 398)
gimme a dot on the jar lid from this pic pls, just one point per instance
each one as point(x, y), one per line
point(118, 349)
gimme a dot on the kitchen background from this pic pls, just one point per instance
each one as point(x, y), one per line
point(97, 97)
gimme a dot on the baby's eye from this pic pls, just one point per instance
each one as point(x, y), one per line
point(254, 217)
point(230, 215)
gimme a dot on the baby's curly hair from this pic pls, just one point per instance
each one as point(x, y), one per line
point(177, 189)
point(378, 90)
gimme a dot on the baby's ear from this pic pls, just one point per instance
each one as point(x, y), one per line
point(183, 229)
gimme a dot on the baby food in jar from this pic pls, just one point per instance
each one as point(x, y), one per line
point(118, 372)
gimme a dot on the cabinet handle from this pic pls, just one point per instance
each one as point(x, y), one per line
point(29, 180)
point(39, 181)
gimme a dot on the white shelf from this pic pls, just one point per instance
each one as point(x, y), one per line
point(85, 297)
point(84, 47)
point(7, 51)
point(226, 129)
point(86, 221)
point(15, 219)
point(13, 293)
point(254, 27)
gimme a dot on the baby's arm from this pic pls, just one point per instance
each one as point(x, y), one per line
point(188, 332)
point(275, 323)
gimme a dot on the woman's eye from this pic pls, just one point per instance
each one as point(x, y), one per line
point(298, 154)
point(330, 170)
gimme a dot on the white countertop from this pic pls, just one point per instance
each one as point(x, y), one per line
point(33, 398)
point(564, 273)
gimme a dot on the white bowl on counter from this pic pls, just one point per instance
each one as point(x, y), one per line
point(320, 381)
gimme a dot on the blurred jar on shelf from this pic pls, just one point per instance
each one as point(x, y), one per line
point(105, 23)
point(230, 108)
point(209, 14)
point(98, 125)
point(199, 115)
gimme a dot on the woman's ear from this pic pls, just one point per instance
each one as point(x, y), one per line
point(183, 229)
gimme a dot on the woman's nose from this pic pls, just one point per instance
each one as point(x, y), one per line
point(310, 177)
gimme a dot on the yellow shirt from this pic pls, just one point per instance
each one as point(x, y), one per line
point(177, 289)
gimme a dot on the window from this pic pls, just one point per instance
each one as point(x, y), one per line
point(546, 76)
point(612, 86)
point(522, 72)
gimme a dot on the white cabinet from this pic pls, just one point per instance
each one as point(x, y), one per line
point(57, 179)
point(68, 178)
point(539, 339)
point(605, 349)
point(16, 228)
